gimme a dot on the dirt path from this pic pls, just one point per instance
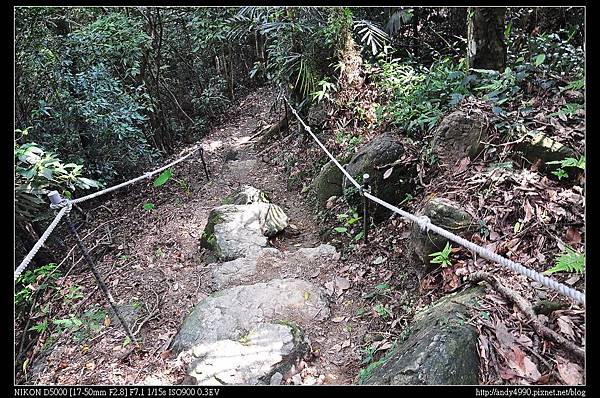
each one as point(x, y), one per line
point(153, 264)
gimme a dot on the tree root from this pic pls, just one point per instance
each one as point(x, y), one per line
point(526, 309)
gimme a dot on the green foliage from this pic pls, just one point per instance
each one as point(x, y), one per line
point(30, 281)
point(442, 257)
point(567, 162)
point(37, 172)
point(149, 206)
point(350, 219)
point(568, 261)
point(383, 311)
point(163, 178)
point(418, 96)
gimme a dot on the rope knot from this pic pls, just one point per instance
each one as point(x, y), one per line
point(423, 223)
point(63, 203)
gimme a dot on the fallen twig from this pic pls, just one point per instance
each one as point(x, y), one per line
point(526, 309)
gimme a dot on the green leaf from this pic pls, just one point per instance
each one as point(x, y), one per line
point(341, 229)
point(163, 178)
point(149, 206)
point(568, 261)
point(539, 59)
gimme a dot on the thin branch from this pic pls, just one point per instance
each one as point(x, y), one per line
point(527, 310)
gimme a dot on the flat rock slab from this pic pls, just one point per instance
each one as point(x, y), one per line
point(265, 350)
point(270, 262)
point(440, 349)
point(230, 313)
point(243, 268)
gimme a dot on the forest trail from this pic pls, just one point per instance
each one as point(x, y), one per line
point(157, 271)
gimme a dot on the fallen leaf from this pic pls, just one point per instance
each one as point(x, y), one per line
point(522, 364)
point(107, 321)
point(338, 319)
point(572, 236)
point(166, 354)
point(90, 365)
point(529, 212)
point(342, 283)
point(505, 338)
point(306, 296)
point(462, 165)
point(569, 372)
point(388, 173)
point(566, 326)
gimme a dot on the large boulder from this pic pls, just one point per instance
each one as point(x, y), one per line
point(441, 347)
point(459, 134)
point(243, 268)
point(445, 214)
point(375, 158)
point(328, 183)
point(252, 359)
point(230, 313)
point(240, 230)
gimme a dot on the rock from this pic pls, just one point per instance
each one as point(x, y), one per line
point(129, 312)
point(261, 353)
point(440, 349)
point(317, 115)
point(268, 261)
point(234, 231)
point(443, 213)
point(375, 158)
point(542, 149)
point(297, 379)
point(313, 254)
point(276, 379)
point(246, 196)
point(230, 313)
point(241, 169)
point(236, 271)
point(328, 183)
point(459, 135)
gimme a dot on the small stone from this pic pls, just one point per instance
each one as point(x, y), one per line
point(276, 379)
point(297, 379)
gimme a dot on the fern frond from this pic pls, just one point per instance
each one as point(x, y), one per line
point(568, 261)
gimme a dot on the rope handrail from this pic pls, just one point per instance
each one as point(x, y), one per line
point(134, 180)
point(425, 224)
point(65, 207)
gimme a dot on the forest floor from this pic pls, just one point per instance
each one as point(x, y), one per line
point(154, 266)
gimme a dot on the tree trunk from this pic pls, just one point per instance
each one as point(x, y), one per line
point(485, 43)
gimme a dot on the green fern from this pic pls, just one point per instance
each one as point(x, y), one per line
point(568, 261)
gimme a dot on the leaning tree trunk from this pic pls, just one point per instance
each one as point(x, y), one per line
point(485, 43)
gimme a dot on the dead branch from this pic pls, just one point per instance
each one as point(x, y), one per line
point(526, 309)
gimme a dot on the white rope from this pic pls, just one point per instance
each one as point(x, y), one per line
point(142, 177)
point(66, 205)
point(64, 210)
point(425, 224)
point(333, 159)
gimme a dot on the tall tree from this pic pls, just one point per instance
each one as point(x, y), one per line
point(486, 48)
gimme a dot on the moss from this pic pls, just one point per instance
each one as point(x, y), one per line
point(208, 239)
point(295, 329)
point(365, 373)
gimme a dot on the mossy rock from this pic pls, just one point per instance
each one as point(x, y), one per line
point(445, 214)
point(375, 158)
point(459, 134)
point(539, 148)
point(440, 349)
point(328, 183)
